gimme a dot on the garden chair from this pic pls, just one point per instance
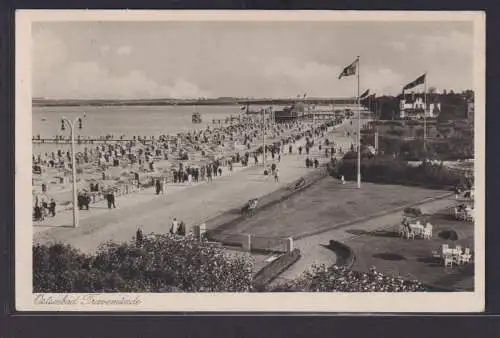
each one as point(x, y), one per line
point(465, 257)
point(445, 249)
point(409, 234)
point(448, 261)
point(401, 230)
point(427, 233)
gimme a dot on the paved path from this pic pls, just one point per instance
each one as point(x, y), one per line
point(192, 205)
point(313, 248)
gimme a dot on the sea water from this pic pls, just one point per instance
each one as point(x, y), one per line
point(127, 121)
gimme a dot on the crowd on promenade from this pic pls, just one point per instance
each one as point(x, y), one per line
point(185, 158)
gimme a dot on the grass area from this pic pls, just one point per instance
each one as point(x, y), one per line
point(325, 204)
point(412, 259)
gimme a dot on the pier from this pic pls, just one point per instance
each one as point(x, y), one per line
point(86, 141)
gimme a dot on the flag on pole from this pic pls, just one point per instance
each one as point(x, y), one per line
point(418, 81)
point(365, 94)
point(349, 70)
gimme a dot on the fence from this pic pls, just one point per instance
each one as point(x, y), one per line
point(246, 242)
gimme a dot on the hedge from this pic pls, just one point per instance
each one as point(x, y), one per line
point(161, 263)
point(391, 171)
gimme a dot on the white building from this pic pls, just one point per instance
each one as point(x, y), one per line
point(415, 109)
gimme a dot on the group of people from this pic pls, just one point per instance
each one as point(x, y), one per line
point(44, 209)
point(207, 142)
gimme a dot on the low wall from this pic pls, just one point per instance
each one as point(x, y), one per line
point(271, 271)
point(250, 242)
point(345, 255)
point(269, 244)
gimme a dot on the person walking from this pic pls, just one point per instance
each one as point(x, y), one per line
point(112, 199)
point(139, 237)
point(174, 227)
point(164, 186)
point(158, 186)
point(52, 208)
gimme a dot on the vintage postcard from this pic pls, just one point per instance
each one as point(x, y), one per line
point(267, 161)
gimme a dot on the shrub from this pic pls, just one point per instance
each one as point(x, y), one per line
point(342, 279)
point(391, 171)
point(162, 263)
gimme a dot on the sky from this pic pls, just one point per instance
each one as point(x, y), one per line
point(130, 60)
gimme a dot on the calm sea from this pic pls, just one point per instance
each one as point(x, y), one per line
point(129, 121)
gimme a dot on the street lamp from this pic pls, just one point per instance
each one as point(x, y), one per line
point(71, 125)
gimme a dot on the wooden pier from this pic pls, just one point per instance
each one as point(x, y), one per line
point(86, 141)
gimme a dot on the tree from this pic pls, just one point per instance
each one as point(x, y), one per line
point(432, 90)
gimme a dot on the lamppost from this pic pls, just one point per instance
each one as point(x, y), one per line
point(71, 125)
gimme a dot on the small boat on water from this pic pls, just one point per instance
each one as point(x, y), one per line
point(196, 118)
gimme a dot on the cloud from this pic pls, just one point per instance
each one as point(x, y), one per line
point(56, 77)
point(398, 46)
point(88, 80)
point(124, 50)
point(382, 81)
point(48, 51)
point(319, 79)
point(453, 41)
point(104, 50)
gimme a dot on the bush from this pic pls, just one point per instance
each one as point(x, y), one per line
point(387, 170)
point(163, 263)
point(342, 279)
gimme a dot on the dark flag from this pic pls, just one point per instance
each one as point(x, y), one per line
point(420, 80)
point(349, 70)
point(365, 94)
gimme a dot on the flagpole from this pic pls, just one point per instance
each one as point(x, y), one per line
point(359, 131)
point(425, 109)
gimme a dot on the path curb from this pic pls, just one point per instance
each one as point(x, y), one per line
point(364, 218)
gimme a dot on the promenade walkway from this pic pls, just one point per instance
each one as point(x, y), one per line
point(192, 204)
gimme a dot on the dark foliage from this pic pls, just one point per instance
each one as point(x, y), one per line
point(391, 171)
point(342, 279)
point(162, 263)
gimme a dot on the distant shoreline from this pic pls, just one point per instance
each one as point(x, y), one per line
point(163, 102)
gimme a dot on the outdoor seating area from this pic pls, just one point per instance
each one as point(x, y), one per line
point(464, 212)
point(411, 229)
point(453, 256)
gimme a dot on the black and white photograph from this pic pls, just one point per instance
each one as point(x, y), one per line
point(250, 161)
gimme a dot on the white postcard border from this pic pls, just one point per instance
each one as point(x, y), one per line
point(258, 302)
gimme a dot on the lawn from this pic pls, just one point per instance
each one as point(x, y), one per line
point(327, 204)
point(412, 259)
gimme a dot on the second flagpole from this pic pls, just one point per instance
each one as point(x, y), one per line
point(359, 131)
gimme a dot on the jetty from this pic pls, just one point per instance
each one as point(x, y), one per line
point(87, 140)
